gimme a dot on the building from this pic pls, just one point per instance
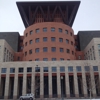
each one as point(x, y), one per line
point(49, 60)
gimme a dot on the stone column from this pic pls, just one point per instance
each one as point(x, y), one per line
point(50, 83)
point(15, 84)
point(75, 82)
point(58, 82)
point(41, 83)
point(6, 85)
point(67, 82)
point(84, 82)
point(33, 81)
point(24, 81)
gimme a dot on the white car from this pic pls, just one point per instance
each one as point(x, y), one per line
point(29, 96)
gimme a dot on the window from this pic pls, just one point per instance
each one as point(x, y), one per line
point(66, 31)
point(37, 40)
point(71, 43)
point(70, 68)
point(60, 30)
point(60, 39)
point(31, 32)
point(30, 42)
point(20, 70)
point(87, 68)
point(62, 69)
point(3, 70)
point(53, 49)
point(52, 29)
point(61, 59)
point(54, 69)
point(30, 51)
point(37, 69)
point(71, 33)
point(45, 69)
point(26, 34)
point(44, 39)
point(25, 53)
point(45, 49)
point(37, 50)
point(67, 41)
point(78, 68)
point(45, 59)
point(61, 50)
point(72, 52)
point(98, 46)
point(95, 68)
point(12, 70)
point(25, 43)
point(29, 69)
point(53, 59)
point(37, 59)
point(67, 50)
point(53, 39)
point(37, 30)
point(18, 58)
point(79, 57)
point(44, 29)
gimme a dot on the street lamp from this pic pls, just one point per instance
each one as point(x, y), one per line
point(62, 87)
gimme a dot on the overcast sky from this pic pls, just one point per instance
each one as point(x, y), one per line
point(87, 18)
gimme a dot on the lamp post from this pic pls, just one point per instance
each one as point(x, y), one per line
point(62, 87)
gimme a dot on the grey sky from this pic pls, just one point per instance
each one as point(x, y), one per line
point(87, 18)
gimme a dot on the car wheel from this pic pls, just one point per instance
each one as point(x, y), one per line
point(21, 98)
point(31, 98)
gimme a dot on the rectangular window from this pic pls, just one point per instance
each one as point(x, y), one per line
point(60, 39)
point(71, 33)
point(66, 31)
point(26, 34)
point(60, 30)
point(3, 70)
point(52, 29)
point(37, 40)
point(87, 68)
point(37, 50)
point(30, 51)
point(54, 69)
point(53, 59)
point(61, 59)
point(20, 70)
point(70, 68)
point(30, 42)
point(37, 30)
point(53, 49)
point(45, 59)
point(25, 53)
point(68, 51)
point(44, 29)
point(71, 43)
point(72, 52)
point(45, 49)
point(37, 59)
point(95, 68)
point(44, 39)
point(79, 57)
point(29, 69)
point(25, 43)
point(45, 69)
point(53, 39)
point(37, 69)
point(62, 69)
point(67, 41)
point(12, 70)
point(78, 68)
point(61, 50)
point(98, 46)
point(31, 32)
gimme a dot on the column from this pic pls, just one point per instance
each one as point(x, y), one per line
point(6, 85)
point(33, 81)
point(24, 81)
point(50, 83)
point(75, 82)
point(41, 83)
point(84, 82)
point(67, 82)
point(93, 81)
point(58, 82)
point(15, 84)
